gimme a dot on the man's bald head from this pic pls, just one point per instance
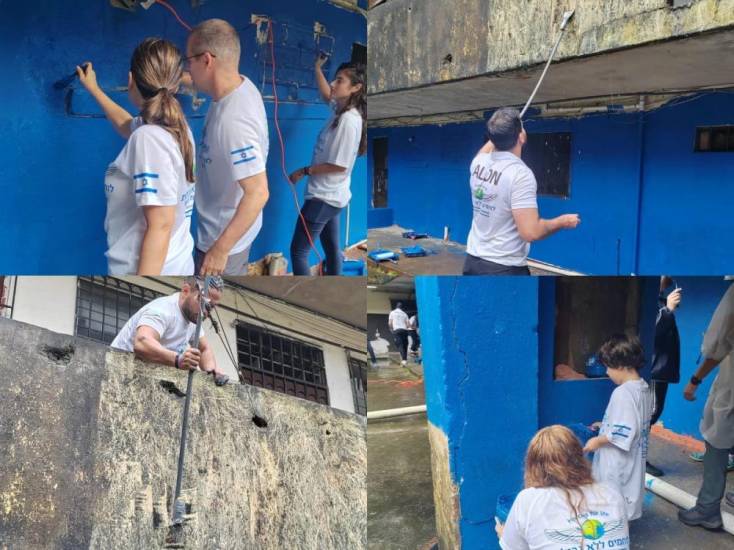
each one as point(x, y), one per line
point(219, 38)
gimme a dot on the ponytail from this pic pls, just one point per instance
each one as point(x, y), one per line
point(157, 69)
point(358, 100)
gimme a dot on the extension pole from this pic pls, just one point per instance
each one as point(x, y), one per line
point(566, 18)
point(179, 507)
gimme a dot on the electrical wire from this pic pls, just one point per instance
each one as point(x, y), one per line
point(271, 39)
point(225, 341)
point(173, 11)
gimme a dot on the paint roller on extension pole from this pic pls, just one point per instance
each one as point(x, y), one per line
point(567, 16)
point(179, 506)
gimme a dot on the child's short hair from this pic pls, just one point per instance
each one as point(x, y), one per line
point(622, 352)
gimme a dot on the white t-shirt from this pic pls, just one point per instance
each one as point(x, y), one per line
point(399, 320)
point(234, 146)
point(337, 146)
point(413, 323)
point(149, 171)
point(541, 519)
point(627, 425)
point(500, 183)
point(165, 317)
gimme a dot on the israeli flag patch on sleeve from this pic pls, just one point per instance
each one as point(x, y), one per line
point(146, 182)
point(240, 156)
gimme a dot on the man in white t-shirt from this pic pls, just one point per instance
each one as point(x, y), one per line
point(162, 331)
point(620, 449)
point(399, 324)
point(717, 423)
point(503, 188)
point(232, 186)
point(415, 340)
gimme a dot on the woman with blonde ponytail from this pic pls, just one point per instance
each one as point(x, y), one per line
point(150, 185)
point(562, 507)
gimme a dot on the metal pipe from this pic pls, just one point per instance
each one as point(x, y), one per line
point(681, 499)
point(394, 413)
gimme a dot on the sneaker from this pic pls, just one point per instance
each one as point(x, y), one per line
point(698, 457)
point(695, 517)
point(403, 363)
point(653, 471)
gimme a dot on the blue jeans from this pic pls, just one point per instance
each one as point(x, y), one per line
point(322, 221)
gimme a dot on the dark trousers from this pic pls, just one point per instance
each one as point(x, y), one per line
point(477, 266)
point(712, 490)
point(401, 341)
point(415, 339)
point(659, 390)
point(322, 221)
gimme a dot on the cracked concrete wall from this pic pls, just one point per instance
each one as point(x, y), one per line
point(415, 43)
point(480, 355)
point(89, 443)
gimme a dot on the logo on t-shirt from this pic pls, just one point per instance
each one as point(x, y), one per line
point(590, 529)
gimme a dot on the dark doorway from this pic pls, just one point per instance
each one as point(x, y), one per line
point(379, 172)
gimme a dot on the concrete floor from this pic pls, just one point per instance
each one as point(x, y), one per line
point(400, 491)
point(399, 484)
point(443, 257)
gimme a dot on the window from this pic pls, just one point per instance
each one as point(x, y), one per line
point(714, 139)
point(272, 361)
point(358, 375)
point(104, 304)
point(359, 53)
point(379, 172)
point(549, 157)
point(588, 311)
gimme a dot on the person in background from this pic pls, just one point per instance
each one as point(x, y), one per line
point(400, 326)
point(666, 354)
point(717, 424)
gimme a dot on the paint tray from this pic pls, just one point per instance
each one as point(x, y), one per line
point(382, 255)
point(354, 268)
point(504, 503)
point(413, 235)
point(414, 251)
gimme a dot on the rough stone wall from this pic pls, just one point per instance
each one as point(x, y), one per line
point(419, 42)
point(89, 457)
point(445, 491)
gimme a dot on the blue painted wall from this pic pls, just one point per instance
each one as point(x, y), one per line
point(683, 202)
point(480, 369)
point(52, 165)
point(488, 364)
point(590, 397)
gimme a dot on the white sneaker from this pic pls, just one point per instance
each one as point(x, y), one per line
point(403, 363)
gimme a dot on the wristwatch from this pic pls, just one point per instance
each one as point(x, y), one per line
point(175, 362)
point(307, 170)
point(695, 380)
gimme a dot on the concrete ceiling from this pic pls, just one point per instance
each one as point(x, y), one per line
point(341, 298)
point(399, 285)
point(689, 63)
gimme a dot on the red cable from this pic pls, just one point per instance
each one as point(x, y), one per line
point(170, 8)
point(282, 149)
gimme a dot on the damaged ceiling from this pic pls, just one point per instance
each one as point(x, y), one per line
point(703, 61)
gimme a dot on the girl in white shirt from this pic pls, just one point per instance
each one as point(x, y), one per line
point(342, 139)
point(150, 185)
point(561, 506)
